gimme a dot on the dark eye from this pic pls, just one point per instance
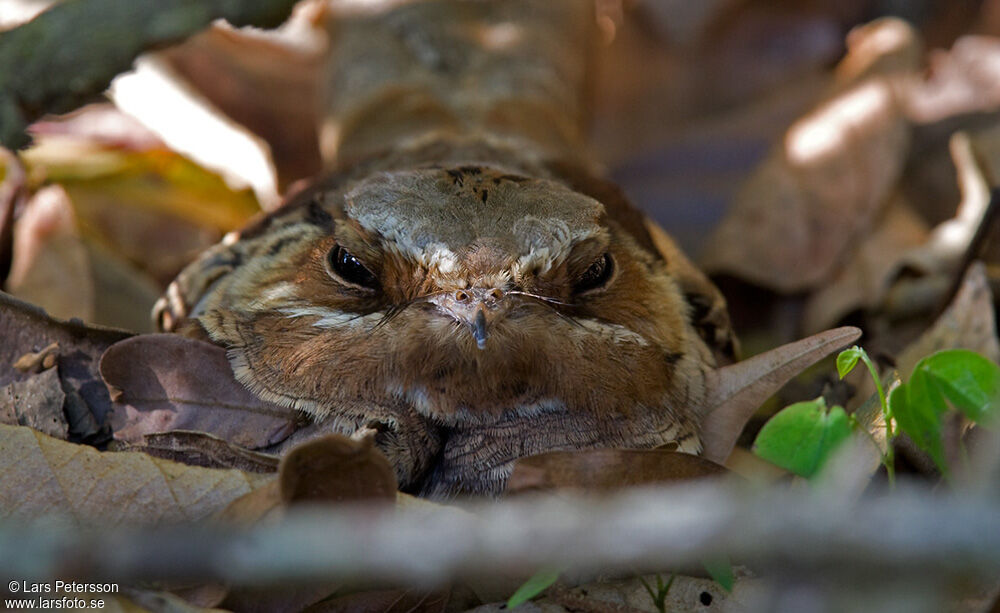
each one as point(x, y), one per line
point(350, 269)
point(595, 276)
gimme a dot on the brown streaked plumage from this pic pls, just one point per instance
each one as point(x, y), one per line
point(474, 288)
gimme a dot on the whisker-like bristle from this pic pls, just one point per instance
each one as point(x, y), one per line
point(550, 303)
point(541, 298)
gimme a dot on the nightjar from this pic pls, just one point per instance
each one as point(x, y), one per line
point(462, 278)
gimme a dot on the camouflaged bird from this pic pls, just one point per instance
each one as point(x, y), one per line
point(463, 279)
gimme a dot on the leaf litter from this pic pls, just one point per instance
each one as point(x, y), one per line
point(850, 241)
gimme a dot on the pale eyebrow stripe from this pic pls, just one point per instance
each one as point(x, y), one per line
point(332, 318)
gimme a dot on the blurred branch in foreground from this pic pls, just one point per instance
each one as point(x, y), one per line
point(69, 54)
point(907, 547)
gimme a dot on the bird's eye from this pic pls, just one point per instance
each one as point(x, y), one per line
point(595, 276)
point(350, 269)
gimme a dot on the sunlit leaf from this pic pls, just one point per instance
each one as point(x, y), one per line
point(538, 583)
point(721, 571)
point(918, 407)
point(968, 380)
point(802, 437)
point(847, 359)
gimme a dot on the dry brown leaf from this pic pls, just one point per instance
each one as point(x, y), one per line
point(36, 402)
point(142, 203)
point(167, 382)
point(967, 323)
point(962, 80)
point(949, 241)
point(606, 469)
point(26, 329)
point(40, 475)
point(50, 266)
point(57, 269)
point(200, 449)
point(737, 391)
point(864, 279)
point(230, 67)
point(335, 468)
point(792, 223)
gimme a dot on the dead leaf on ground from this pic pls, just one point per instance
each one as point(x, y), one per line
point(54, 267)
point(40, 475)
point(968, 323)
point(865, 278)
point(26, 329)
point(962, 80)
point(794, 220)
point(230, 67)
point(166, 382)
point(36, 402)
point(735, 392)
point(949, 241)
point(132, 196)
point(50, 266)
point(335, 468)
point(201, 449)
point(603, 470)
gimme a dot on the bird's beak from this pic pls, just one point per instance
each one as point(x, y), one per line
point(478, 308)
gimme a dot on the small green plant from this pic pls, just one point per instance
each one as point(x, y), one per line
point(538, 583)
point(803, 436)
point(660, 595)
point(720, 569)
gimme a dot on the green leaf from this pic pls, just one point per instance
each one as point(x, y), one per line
point(721, 571)
point(968, 380)
point(538, 583)
point(918, 407)
point(801, 437)
point(847, 360)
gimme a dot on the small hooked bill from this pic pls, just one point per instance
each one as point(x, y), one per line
point(479, 330)
point(478, 307)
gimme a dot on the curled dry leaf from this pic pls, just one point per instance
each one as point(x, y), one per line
point(40, 475)
point(737, 391)
point(829, 179)
point(26, 329)
point(331, 468)
point(949, 241)
point(607, 469)
point(165, 382)
point(144, 204)
point(50, 266)
point(230, 67)
point(335, 468)
point(965, 79)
